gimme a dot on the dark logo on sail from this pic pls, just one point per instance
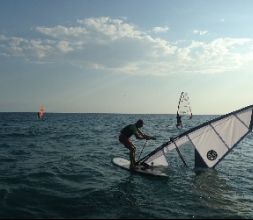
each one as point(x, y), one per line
point(212, 155)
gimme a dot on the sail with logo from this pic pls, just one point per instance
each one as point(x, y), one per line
point(211, 141)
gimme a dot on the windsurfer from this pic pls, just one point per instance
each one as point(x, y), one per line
point(41, 112)
point(179, 121)
point(124, 138)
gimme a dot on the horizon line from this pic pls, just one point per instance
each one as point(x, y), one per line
point(119, 113)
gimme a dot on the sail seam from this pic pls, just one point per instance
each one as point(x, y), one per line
point(230, 149)
point(179, 153)
point(165, 156)
point(223, 141)
point(191, 141)
point(241, 121)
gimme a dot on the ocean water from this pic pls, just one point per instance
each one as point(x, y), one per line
point(61, 167)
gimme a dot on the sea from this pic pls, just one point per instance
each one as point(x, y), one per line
point(61, 168)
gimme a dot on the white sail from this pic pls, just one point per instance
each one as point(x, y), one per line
point(212, 140)
point(184, 106)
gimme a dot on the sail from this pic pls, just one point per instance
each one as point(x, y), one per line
point(184, 106)
point(212, 140)
point(41, 112)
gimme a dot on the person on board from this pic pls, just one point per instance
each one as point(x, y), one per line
point(190, 116)
point(40, 115)
point(124, 138)
point(179, 121)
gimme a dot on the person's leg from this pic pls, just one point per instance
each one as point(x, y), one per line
point(130, 146)
point(132, 156)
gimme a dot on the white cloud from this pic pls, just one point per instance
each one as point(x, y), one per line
point(95, 28)
point(64, 46)
point(117, 46)
point(39, 48)
point(61, 32)
point(2, 37)
point(199, 32)
point(20, 47)
point(219, 55)
point(112, 28)
point(160, 29)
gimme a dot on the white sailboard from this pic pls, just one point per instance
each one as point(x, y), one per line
point(211, 141)
point(125, 164)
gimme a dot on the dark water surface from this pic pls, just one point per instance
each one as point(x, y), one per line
point(61, 168)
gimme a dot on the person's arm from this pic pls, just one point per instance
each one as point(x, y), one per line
point(141, 135)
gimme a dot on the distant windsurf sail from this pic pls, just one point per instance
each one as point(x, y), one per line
point(211, 141)
point(184, 106)
point(41, 113)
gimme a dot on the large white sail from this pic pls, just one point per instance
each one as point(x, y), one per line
point(212, 140)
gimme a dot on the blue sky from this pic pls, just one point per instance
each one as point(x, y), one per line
point(118, 56)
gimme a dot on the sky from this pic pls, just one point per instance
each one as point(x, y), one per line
point(118, 56)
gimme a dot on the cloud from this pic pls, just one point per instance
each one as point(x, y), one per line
point(103, 29)
point(160, 29)
point(63, 33)
point(219, 55)
point(120, 47)
point(20, 47)
point(199, 32)
point(64, 46)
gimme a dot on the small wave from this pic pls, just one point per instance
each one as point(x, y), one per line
point(19, 135)
point(4, 145)
point(41, 175)
point(6, 159)
point(19, 152)
point(3, 194)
